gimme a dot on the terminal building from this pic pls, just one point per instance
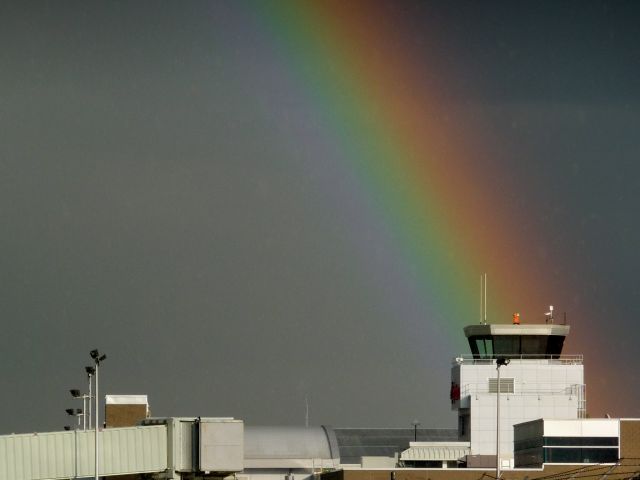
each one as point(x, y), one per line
point(521, 408)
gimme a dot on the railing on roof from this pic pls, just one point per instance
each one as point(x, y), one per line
point(471, 359)
point(508, 386)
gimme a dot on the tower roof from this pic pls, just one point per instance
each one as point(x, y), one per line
point(525, 341)
point(507, 329)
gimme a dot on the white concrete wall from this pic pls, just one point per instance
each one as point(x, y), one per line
point(542, 389)
point(513, 409)
point(587, 427)
point(530, 376)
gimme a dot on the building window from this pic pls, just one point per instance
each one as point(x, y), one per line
point(580, 455)
point(506, 385)
point(580, 441)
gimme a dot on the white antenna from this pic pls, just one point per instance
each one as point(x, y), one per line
point(483, 299)
point(481, 294)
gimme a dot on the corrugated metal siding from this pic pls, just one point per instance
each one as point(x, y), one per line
point(58, 455)
point(37, 456)
point(435, 452)
point(133, 450)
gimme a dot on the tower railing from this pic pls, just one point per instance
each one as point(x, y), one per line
point(528, 388)
point(490, 359)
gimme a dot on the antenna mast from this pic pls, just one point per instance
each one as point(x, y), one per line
point(306, 416)
point(481, 294)
point(485, 298)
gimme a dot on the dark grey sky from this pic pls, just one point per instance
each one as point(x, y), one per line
point(153, 204)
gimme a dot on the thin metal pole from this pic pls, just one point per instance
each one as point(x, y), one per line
point(485, 298)
point(498, 424)
point(84, 412)
point(97, 415)
point(90, 400)
point(481, 292)
point(306, 415)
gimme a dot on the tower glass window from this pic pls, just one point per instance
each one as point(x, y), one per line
point(528, 346)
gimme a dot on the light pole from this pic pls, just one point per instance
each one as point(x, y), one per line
point(500, 362)
point(75, 393)
point(90, 372)
point(415, 424)
point(97, 358)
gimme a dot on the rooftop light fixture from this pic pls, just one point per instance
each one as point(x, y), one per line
point(95, 354)
point(502, 361)
point(75, 412)
point(75, 393)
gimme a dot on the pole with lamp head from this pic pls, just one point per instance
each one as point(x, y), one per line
point(75, 393)
point(97, 358)
point(500, 362)
point(75, 412)
point(415, 424)
point(90, 372)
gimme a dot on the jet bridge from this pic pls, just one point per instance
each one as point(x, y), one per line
point(164, 448)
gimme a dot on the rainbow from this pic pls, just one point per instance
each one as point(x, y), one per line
point(420, 173)
point(381, 96)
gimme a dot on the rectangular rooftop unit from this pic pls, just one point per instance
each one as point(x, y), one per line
point(593, 440)
point(204, 444)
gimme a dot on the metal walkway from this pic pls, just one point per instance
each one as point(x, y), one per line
point(64, 455)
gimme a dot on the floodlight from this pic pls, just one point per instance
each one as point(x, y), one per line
point(103, 357)
point(502, 361)
point(94, 354)
point(69, 411)
point(90, 370)
point(75, 393)
point(67, 427)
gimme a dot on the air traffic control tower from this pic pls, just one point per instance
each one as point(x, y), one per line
point(536, 381)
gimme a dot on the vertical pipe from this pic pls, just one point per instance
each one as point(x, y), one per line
point(485, 298)
point(75, 454)
point(84, 412)
point(90, 400)
point(97, 415)
point(481, 289)
point(498, 424)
